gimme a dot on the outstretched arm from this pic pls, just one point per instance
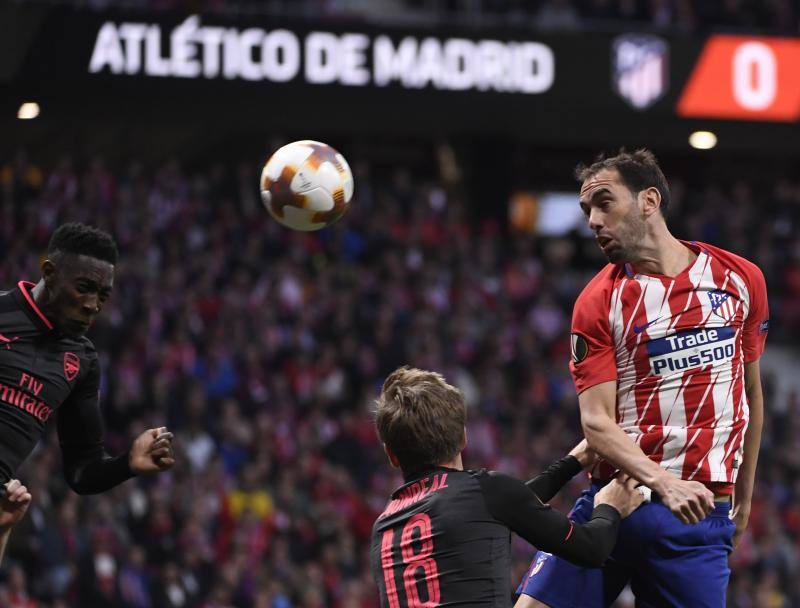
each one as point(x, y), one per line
point(550, 481)
point(88, 468)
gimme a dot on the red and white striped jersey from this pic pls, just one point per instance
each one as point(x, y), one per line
point(676, 347)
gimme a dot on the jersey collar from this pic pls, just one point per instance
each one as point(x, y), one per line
point(696, 247)
point(417, 475)
point(24, 298)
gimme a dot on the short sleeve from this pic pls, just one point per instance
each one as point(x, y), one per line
point(593, 359)
point(756, 325)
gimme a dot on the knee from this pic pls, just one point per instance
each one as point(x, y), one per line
point(526, 601)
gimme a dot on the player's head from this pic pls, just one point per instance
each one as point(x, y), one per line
point(420, 419)
point(78, 276)
point(620, 195)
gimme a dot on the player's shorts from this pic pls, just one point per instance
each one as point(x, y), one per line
point(666, 562)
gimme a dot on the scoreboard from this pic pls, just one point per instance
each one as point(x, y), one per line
point(555, 88)
point(744, 78)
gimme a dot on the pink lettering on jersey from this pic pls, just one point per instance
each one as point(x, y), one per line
point(19, 399)
point(31, 383)
point(416, 492)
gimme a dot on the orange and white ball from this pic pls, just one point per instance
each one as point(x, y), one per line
point(306, 185)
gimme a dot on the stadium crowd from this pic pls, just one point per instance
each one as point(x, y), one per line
point(774, 16)
point(262, 349)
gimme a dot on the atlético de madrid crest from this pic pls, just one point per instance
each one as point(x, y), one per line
point(722, 304)
point(540, 560)
point(640, 69)
point(72, 365)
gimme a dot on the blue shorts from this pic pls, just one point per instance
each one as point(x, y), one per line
point(666, 562)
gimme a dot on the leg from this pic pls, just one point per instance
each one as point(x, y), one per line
point(687, 565)
point(555, 583)
point(526, 601)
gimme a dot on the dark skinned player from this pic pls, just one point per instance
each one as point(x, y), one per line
point(48, 368)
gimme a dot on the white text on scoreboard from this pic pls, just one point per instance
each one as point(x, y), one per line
point(193, 50)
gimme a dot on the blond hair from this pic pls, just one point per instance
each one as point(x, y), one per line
point(420, 418)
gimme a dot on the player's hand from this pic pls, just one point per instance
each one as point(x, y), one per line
point(620, 493)
point(585, 455)
point(689, 501)
point(152, 452)
point(740, 516)
point(13, 505)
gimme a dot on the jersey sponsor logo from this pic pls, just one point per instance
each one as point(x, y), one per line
point(692, 348)
point(722, 304)
point(640, 69)
point(22, 400)
point(541, 558)
point(5, 341)
point(72, 365)
point(764, 327)
point(578, 347)
point(637, 329)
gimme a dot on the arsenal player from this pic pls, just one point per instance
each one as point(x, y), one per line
point(444, 538)
point(666, 342)
point(48, 366)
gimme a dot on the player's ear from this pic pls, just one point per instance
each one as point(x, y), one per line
point(392, 458)
point(49, 271)
point(650, 201)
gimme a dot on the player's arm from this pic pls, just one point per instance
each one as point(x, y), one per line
point(513, 503)
point(690, 501)
point(550, 481)
point(594, 370)
point(743, 491)
point(13, 505)
point(754, 338)
point(88, 468)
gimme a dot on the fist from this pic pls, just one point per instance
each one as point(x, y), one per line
point(622, 494)
point(586, 456)
point(152, 452)
point(14, 504)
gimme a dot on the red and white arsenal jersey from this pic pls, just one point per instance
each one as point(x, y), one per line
point(676, 347)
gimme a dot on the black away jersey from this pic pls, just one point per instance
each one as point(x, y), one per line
point(45, 374)
point(444, 539)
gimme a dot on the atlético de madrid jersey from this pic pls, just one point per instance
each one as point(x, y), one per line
point(676, 347)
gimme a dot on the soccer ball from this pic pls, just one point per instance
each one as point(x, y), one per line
point(306, 185)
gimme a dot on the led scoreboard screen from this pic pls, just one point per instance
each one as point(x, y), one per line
point(571, 87)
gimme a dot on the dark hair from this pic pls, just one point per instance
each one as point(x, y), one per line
point(81, 239)
point(639, 170)
point(420, 418)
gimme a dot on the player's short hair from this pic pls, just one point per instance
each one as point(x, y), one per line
point(80, 239)
point(420, 418)
point(639, 170)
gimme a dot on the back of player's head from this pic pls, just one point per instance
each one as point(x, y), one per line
point(80, 239)
point(420, 418)
point(638, 170)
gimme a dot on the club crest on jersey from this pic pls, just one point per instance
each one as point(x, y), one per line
point(541, 558)
point(722, 304)
point(72, 365)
